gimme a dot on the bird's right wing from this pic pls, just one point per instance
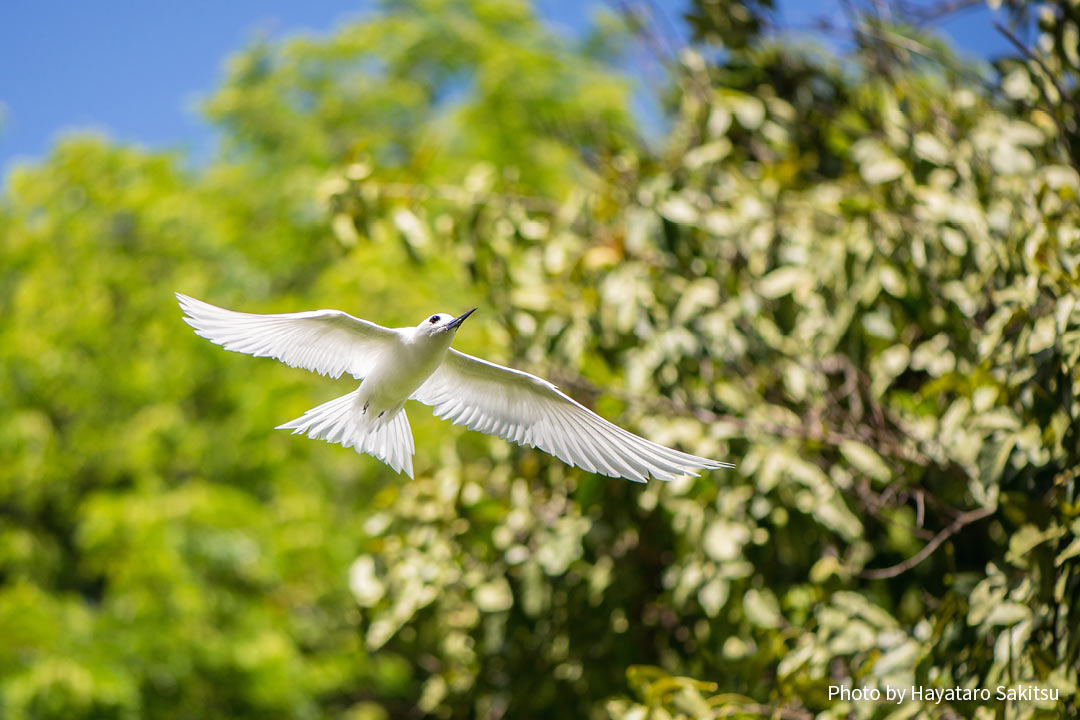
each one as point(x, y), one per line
point(531, 411)
point(328, 342)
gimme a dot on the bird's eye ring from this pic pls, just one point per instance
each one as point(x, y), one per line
point(434, 319)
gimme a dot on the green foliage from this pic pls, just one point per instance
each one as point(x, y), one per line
point(1045, 76)
point(424, 90)
point(730, 23)
point(861, 288)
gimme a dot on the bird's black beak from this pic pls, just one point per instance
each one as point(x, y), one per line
point(458, 320)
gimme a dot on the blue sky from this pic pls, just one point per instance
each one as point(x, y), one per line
point(136, 70)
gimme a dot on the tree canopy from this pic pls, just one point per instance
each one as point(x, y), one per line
point(852, 273)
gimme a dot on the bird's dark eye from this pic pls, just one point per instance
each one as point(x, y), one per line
point(434, 319)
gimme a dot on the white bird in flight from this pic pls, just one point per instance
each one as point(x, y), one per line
point(417, 363)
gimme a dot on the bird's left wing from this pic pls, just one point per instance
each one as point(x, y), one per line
point(531, 411)
point(329, 342)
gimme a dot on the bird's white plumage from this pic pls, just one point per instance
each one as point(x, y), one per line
point(417, 363)
point(530, 411)
point(340, 421)
point(328, 342)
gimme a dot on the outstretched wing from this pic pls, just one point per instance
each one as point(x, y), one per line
point(531, 411)
point(328, 342)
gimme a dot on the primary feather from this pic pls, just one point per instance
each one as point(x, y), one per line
point(529, 410)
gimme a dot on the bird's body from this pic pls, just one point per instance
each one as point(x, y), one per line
point(411, 359)
point(398, 364)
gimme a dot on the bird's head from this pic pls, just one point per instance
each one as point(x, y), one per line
point(440, 323)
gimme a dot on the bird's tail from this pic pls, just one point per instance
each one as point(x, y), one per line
point(342, 420)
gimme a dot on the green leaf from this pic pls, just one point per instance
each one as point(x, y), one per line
point(866, 461)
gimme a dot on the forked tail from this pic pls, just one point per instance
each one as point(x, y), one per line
point(341, 420)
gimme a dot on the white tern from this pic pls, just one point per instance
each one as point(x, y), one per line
point(417, 363)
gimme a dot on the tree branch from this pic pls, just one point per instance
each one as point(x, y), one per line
point(1063, 133)
point(933, 13)
point(954, 527)
point(1030, 55)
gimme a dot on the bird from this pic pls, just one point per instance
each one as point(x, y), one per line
point(399, 364)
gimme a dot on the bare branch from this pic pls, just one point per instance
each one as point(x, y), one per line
point(954, 527)
point(1063, 132)
point(933, 13)
point(1029, 54)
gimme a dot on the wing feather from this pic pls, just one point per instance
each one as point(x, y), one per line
point(329, 342)
point(530, 411)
